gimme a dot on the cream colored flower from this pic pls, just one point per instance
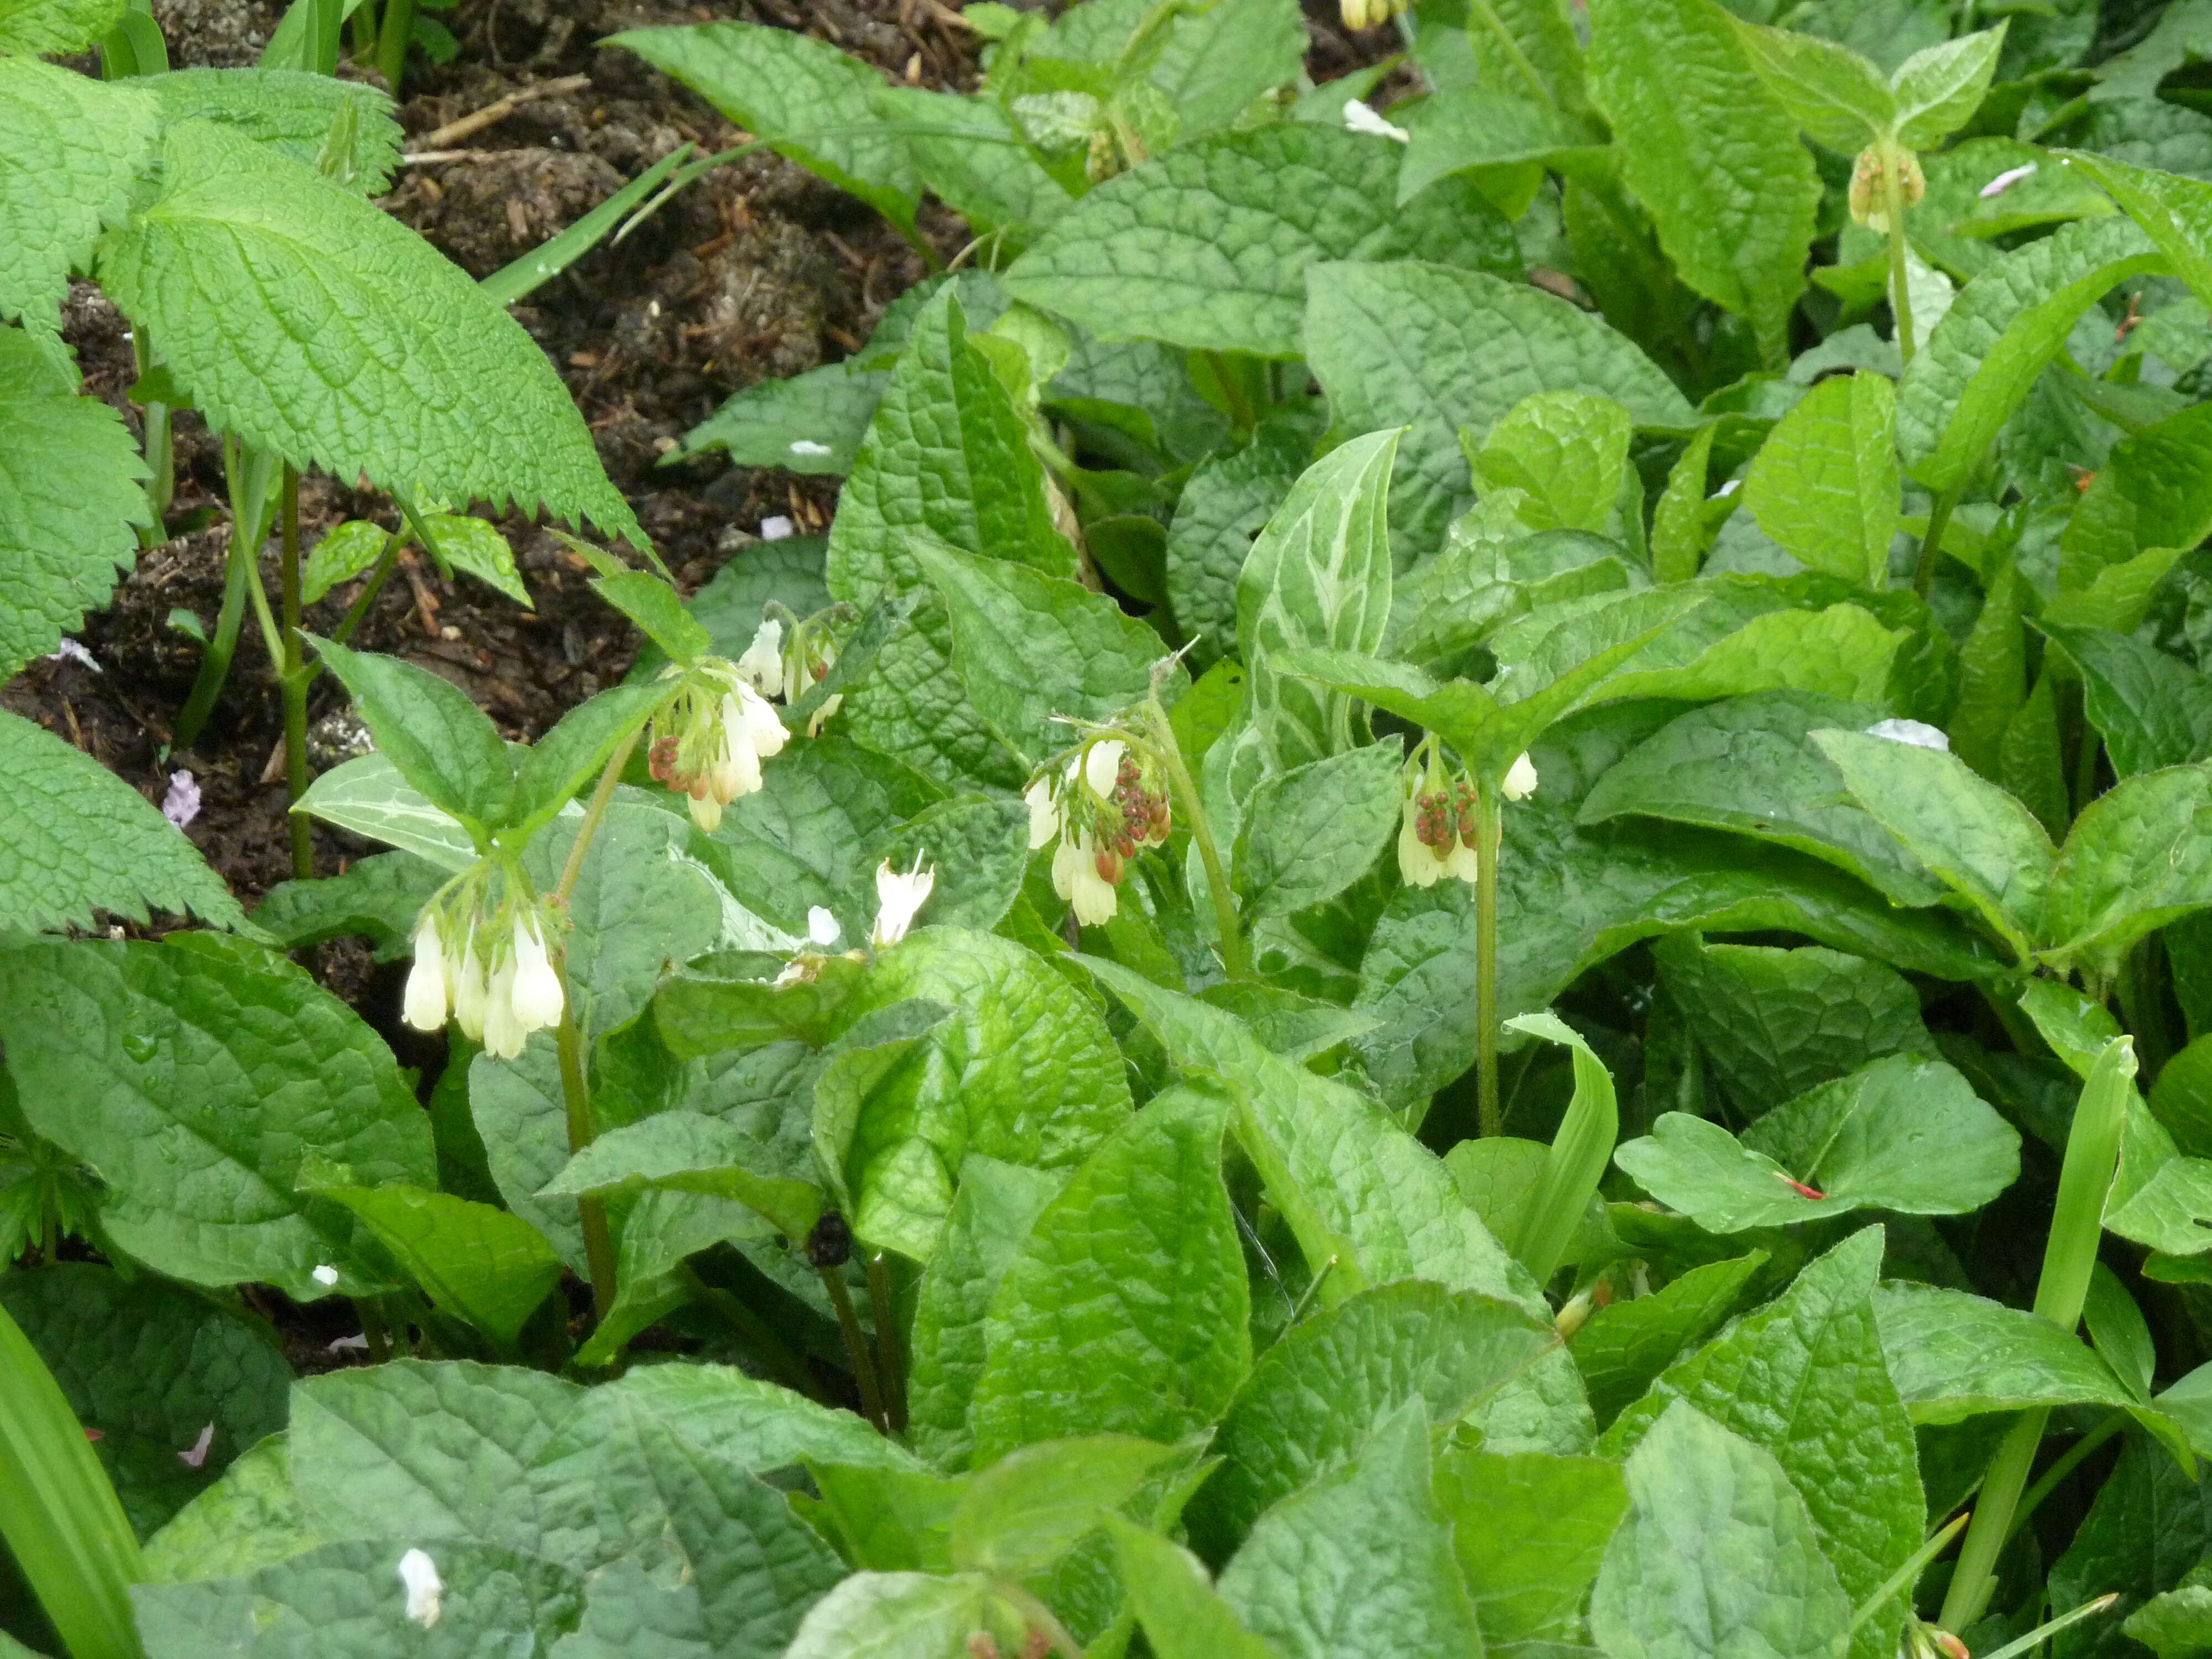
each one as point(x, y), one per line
point(1077, 878)
point(1044, 813)
point(897, 897)
point(762, 661)
point(537, 997)
point(424, 1006)
point(1520, 779)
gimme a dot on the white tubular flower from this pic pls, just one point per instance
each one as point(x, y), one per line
point(709, 744)
point(503, 1033)
point(1077, 878)
point(1433, 836)
point(537, 997)
point(1101, 767)
point(1361, 117)
point(1917, 734)
point(1520, 779)
point(822, 927)
point(763, 662)
point(424, 1005)
point(897, 897)
point(1044, 813)
point(1417, 863)
point(426, 1591)
point(465, 972)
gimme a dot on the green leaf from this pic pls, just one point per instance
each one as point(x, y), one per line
point(492, 1597)
point(2135, 860)
point(1024, 1072)
point(1530, 1530)
point(1731, 190)
point(1226, 502)
point(1627, 1344)
point(892, 1615)
point(1309, 833)
point(1030, 1507)
point(69, 492)
point(1825, 484)
point(2149, 1528)
point(1835, 95)
point(1748, 765)
point(1805, 1379)
point(149, 1365)
point(658, 610)
point(76, 838)
point(576, 751)
point(1333, 1380)
point(195, 1085)
point(1567, 450)
point(249, 1518)
point(1979, 841)
point(38, 28)
point(471, 545)
point(2175, 1625)
point(688, 1151)
point(1718, 1555)
point(2001, 332)
point(2150, 493)
point(1904, 1135)
point(969, 152)
point(1222, 232)
point(812, 423)
point(1030, 645)
point(993, 1209)
point(480, 1264)
point(1433, 348)
point(70, 151)
point(2175, 212)
point(1182, 1616)
point(812, 102)
point(1776, 1022)
point(1216, 63)
point(1359, 1552)
point(1479, 126)
point(754, 1425)
point(368, 796)
point(292, 112)
point(370, 354)
point(1939, 88)
point(440, 742)
point(2151, 708)
point(1955, 1356)
point(1317, 578)
point(1126, 1310)
point(344, 552)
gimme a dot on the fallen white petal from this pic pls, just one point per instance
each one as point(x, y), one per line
point(823, 928)
point(324, 1274)
point(181, 805)
point(1915, 732)
point(70, 651)
point(1363, 118)
point(426, 1591)
point(1728, 488)
point(347, 1345)
point(195, 1455)
point(2005, 180)
point(808, 446)
point(777, 527)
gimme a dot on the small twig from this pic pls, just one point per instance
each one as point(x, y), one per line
point(499, 109)
point(415, 158)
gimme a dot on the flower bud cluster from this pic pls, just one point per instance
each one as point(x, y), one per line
point(1870, 196)
point(1109, 804)
point(486, 963)
point(1438, 836)
point(709, 740)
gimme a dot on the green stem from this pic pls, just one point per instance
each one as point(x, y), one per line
point(1907, 1575)
point(1202, 830)
point(374, 1328)
point(378, 574)
point(50, 1222)
point(1489, 836)
point(222, 644)
point(1975, 1576)
point(887, 1351)
point(856, 1348)
point(2065, 1464)
point(569, 1038)
point(1239, 408)
point(391, 42)
point(774, 1354)
point(1938, 521)
point(292, 685)
point(1893, 205)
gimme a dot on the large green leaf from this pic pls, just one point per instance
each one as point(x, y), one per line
point(1316, 1396)
point(247, 1519)
point(1628, 1343)
point(2153, 491)
point(1566, 451)
point(1748, 765)
point(69, 495)
point(1530, 1530)
point(969, 152)
point(1227, 501)
point(2149, 1528)
point(2001, 332)
point(70, 150)
point(1711, 151)
point(1355, 1566)
point(148, 1365)
point(1717, 1556)
point(1030, 1507)
point(1024, 1072)
point(440, 742)
point(815, 103)
point(1825, 484)
point(1434, 349)
point(2137, 858)
point(785, 423)
point(1182, 1616)
point(1955, 1356)
point(2175, 211)
point(76, 838)
point(1905, 1134)
point(1836, 96)
point(369, 353)
point(297, 112)
point(1317, 578)
point(2151, 707)
point(1804, 1380)
point(1309, 833)
point(476, 1262)
point(1127, 1310)
point(1980, 842)
point(36, 28)
point(196, 1084)
point(1208, 246)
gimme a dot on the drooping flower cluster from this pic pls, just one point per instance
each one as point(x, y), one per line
point(710, 739)
point(787, 659)
point(1367, 14)
point(486, 963)
point(1110, 803)
point(1438, 836)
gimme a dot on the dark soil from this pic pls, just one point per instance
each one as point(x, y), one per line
point(758, 270)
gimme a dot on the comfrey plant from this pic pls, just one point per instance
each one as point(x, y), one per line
point(1465, 912)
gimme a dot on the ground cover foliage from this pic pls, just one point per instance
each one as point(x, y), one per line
point(1462, 913)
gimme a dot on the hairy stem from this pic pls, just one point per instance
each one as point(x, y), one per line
point(887, 1351)
point(1893, 205)
point(1202, 830)
point(856, 1348)
point(293, 680)
point(378, 574)
point(594, 815)
point(1938, 521)
point(1489, 834)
